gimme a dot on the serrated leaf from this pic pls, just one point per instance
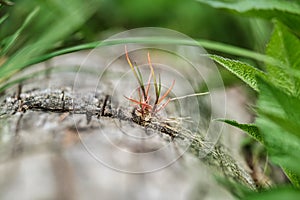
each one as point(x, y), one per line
point(245, 72)
point(278, 103)
point(283, 147)
point(279, 125)
point(285, 47)
point(287, 12)
point(255, 5)
point(284, 121)
point(295, 179)
point(251, 129)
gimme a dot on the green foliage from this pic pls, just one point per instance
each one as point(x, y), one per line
point(46, 30)
point(6, 2)
point(7, 43)
point(284, 46)
point(277, 126)
point(188, 17)
point(278, 123)
point(242, 70)
point(153, 40)
point(287, 12)
point(251, 129)
point(278, 119)
point(294, 177)
point(2, 19)
point(256, 6)
point(275, 194)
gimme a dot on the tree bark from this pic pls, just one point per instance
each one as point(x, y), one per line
point(57, 144)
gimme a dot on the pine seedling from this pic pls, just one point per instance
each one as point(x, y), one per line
point(144, 106)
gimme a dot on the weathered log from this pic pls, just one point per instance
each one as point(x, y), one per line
point(59, 144)
point(60, 101)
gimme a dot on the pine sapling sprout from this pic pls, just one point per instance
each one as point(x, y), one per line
point(145, 108)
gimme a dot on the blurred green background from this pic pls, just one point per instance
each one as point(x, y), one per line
point(32, 28)
point(111, 16)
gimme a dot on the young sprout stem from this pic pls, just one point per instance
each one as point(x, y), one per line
point(145, 108)
point(163, 106)
point(157, 89)
point(148, 84)
point(190, 95)
point(137, 74)
point(143, 104)
point(166, 93)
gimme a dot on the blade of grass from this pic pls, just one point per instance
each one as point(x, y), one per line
point(166, 93)
point(157, 40)
point(136, 73)
point(154, 79)
point(6, 73)
point(138, 102)
point(159, 84)
point(148, 84)
point(132, 67)
point(71, 12)
point(139, 73)
point(217, 46)
point(163, 106)
point(2, 19)
point(141, 82)
point(9, 41)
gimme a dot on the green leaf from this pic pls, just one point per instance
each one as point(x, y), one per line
point(245, 72)
point(251, 129)
point(285, 47)
point(284, 121)
point(279, 126)
point(278, 104)
point(287, 12)
point(283, 147)
point(295, 179)
point(255, 5)
point(275, 194)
